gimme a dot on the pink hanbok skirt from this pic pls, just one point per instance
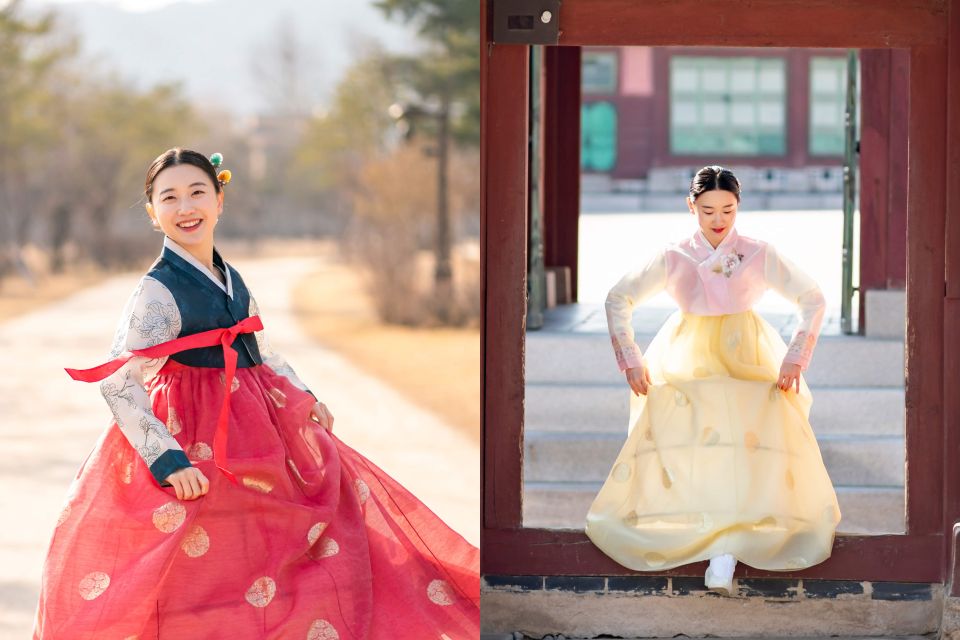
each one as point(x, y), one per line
point(313, 542)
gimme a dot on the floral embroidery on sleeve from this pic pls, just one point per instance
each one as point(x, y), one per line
point(150, 318)
point(626, 352)
point(800, 349)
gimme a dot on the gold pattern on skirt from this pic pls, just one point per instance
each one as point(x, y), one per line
point(717, 459)
point(173, 421)
point(63, 515)
point(279, 397)
point(666, 478)
point(767, 523)
point(315, 531)
point(196, 542)
point(261, 592)
point(93, 585)
point(234, 385)
point(295, 471)
point(710, 436)
point(363, 491)
point(328, 547)
point(126, 472)
point(258, 484)
point(168, 518)
point(322, 630)
point(440, 593)
point(200, 451)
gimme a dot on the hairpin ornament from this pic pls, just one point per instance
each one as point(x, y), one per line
point(223, 176)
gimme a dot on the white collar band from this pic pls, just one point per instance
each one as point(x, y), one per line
point(183, 253)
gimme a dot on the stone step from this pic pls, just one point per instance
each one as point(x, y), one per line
point(582, 357)
point(585, 457)
point(563, 505)
point(605, 408)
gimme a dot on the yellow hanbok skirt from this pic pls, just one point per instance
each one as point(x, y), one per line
point(718, 459)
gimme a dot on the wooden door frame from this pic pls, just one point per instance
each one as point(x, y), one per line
point(931, 31)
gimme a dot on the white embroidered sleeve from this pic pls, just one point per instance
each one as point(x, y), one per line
point(150, 317)
point(631, 290)
point(271, 358)
point(792, 283)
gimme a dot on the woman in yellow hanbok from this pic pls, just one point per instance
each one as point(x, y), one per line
point(720, 461)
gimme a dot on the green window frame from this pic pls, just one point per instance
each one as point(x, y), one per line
point(599, 71)
point(598, 136)
point(828, 101)
point(728, 105)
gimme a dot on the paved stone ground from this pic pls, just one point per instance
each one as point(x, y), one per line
point(48, 422)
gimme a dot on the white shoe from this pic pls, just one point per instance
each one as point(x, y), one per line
point(719, 576)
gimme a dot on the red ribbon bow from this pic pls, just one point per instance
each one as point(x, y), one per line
point(223, 337)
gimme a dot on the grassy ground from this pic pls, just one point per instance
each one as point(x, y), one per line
point(18, 296)
point(439, 369)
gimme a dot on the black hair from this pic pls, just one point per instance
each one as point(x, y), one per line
point(713, 178)
point(173, 157)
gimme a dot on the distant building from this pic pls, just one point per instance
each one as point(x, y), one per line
point(651, 116)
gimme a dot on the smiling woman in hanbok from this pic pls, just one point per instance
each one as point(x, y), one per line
point(720, 460)
point(219, 504)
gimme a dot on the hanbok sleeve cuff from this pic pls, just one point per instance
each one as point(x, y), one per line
point(628, 355)
point(169, 461)
point(800, 349)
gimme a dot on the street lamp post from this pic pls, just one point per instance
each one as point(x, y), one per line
point(443, 270)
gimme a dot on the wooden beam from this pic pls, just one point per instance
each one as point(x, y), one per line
point(561, 159)
point(754, 23)
point(564, 552)
point(951, 311)
point(504, 85)
point(925, 290)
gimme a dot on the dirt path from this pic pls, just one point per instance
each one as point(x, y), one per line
point(48, 423)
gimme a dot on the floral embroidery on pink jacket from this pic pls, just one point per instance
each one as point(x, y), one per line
point(708, 281)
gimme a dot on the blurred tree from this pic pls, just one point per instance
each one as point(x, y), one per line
point(444, 99)
point(356, 126)
point(450, 71)
point(393, 113)
point(116, 132)
point(27, 57)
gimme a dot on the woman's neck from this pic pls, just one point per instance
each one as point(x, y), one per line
point(203, 254)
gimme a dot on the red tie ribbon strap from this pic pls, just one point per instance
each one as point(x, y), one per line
point(223, 337)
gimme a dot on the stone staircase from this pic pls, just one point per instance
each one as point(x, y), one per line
point(577, 405)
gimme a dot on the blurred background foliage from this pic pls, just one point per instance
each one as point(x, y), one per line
point(387, 158)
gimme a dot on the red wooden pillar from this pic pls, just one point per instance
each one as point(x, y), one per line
point(884, 109)
point(504, 83)
point(951, 309)
point(561, 159)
